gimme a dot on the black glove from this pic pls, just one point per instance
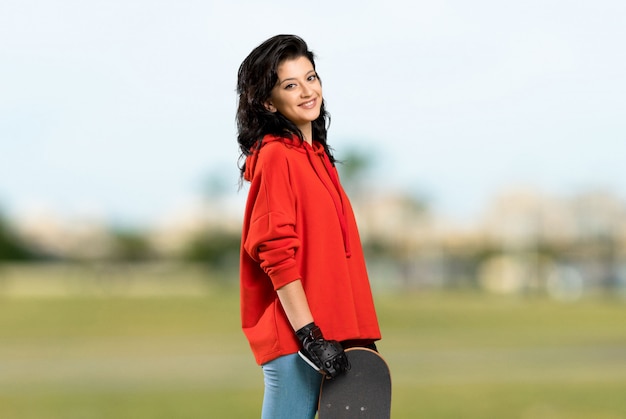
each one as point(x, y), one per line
point(326, 356)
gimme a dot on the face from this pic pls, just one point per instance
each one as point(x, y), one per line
point(298, 94)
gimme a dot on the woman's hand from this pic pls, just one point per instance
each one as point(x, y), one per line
point(326, 356)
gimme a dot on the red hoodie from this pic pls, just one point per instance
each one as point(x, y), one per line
point(299, 224)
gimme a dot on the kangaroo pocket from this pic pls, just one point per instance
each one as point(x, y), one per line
point(263, 336)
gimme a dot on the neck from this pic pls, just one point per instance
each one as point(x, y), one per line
point(307, 134)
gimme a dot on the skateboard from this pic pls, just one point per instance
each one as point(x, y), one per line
point(364, 391)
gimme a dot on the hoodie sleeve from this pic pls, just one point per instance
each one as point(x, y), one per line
point(271, 238)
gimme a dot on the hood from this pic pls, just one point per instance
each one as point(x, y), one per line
point(252, 158)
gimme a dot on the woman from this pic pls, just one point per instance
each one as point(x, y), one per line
point(305, 293)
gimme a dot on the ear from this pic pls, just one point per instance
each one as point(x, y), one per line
point(269, 106)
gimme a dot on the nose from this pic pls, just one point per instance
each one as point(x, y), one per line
point(305, 91)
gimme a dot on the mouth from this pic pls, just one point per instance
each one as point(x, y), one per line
point(309, 105)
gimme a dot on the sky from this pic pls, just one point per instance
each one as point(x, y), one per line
point(125, 110)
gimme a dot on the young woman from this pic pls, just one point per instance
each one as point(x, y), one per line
point(305, 293)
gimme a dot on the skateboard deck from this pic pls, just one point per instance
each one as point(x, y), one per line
point(362, 392)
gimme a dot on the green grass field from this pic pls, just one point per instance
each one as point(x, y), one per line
point(452, 356)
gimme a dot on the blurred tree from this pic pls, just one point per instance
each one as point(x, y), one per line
point(130, 246)
point(11, 247)
point(215, 185)
point(216, 248)
point(354, 167)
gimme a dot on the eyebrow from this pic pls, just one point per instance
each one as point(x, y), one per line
point(295, 78)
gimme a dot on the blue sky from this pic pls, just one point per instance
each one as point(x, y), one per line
point(122, 109)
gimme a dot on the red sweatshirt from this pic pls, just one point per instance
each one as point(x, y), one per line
point(299, 224)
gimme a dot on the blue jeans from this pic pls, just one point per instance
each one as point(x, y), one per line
point(292, 389)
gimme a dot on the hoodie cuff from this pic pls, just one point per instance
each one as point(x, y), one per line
point(284, 277)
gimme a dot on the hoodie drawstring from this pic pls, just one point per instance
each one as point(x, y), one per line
point(336, 197)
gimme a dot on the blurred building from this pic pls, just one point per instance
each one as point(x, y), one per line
point(54, 237)
point(564, 245)
point(525, 241)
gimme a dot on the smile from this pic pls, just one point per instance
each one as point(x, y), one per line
point(308, 105)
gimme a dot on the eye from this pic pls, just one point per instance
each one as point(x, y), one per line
point(289, 86)
point(312, 77)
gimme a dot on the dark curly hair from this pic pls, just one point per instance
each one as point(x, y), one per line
point(257, 76)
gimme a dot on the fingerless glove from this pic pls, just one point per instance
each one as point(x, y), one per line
point(326, 356)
